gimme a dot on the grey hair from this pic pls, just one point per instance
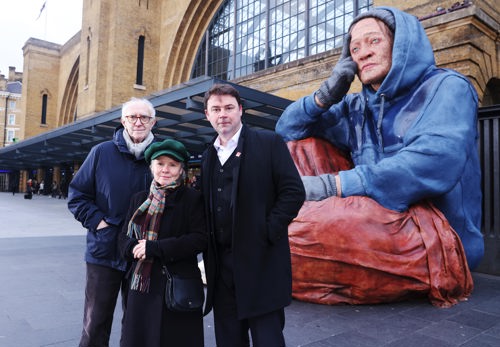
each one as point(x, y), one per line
point(133, 100)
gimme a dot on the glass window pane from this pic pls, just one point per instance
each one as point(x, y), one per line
point(271, 32)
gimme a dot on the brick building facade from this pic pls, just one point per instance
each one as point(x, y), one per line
point(97, 69)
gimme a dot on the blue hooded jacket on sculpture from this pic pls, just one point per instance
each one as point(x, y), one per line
point(414, 138)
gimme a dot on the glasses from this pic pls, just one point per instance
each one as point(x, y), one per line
point(144, 119)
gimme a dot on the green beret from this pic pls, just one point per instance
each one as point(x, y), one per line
point(172, 148)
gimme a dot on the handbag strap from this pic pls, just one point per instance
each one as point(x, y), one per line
point(165, 271)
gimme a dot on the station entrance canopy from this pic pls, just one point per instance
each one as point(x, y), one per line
point(179, 115)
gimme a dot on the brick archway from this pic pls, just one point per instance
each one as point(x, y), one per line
point(492, 93)
point(70, 97)
point(195, 22)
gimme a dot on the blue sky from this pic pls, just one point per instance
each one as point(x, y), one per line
point(21, 19)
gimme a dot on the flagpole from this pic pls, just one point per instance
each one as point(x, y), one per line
point(46, 15)
point(44, 5)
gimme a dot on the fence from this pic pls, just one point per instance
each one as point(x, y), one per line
point(489, 151)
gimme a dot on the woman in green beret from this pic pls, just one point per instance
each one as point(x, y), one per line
point(165, 227)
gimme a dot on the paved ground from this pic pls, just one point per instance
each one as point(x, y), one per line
point(42, 287)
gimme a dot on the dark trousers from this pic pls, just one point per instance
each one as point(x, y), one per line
point(101, 292)
point(266, 330)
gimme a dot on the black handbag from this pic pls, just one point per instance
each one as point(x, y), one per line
point(183, 294)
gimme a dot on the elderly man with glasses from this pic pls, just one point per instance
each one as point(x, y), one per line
point(99, 196)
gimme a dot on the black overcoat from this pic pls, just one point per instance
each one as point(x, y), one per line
point(182, 236)
point(267, 194)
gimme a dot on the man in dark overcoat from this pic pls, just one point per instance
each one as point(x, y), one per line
point(252, 192)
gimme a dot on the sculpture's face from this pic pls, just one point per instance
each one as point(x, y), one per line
point(371, 50)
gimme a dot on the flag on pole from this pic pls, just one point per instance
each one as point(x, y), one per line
point(41, 10)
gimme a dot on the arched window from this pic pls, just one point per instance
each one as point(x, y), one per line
point(246, 36)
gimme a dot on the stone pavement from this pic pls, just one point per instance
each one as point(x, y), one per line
point(42, 287)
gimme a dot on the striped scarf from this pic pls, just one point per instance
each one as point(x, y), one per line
point(145, 225)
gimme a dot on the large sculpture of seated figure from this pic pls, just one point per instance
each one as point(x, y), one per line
point(411, 134)
point(353, 250)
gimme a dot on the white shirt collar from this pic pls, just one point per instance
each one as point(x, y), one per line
point(224, 152)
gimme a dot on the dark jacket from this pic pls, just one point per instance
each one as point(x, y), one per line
point(267, 195)
point(181, 237)
point(414, 138)
point(101, 189)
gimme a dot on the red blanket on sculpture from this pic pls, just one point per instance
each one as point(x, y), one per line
point(353, 250)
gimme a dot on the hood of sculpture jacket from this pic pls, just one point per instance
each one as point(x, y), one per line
point(412, 57)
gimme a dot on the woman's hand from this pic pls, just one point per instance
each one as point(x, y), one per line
point(139, 250)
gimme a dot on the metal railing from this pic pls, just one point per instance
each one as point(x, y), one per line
point(489, 154)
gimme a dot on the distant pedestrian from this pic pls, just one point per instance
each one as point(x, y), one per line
point(29, 189)
point(54, 189)
point(63, 189)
